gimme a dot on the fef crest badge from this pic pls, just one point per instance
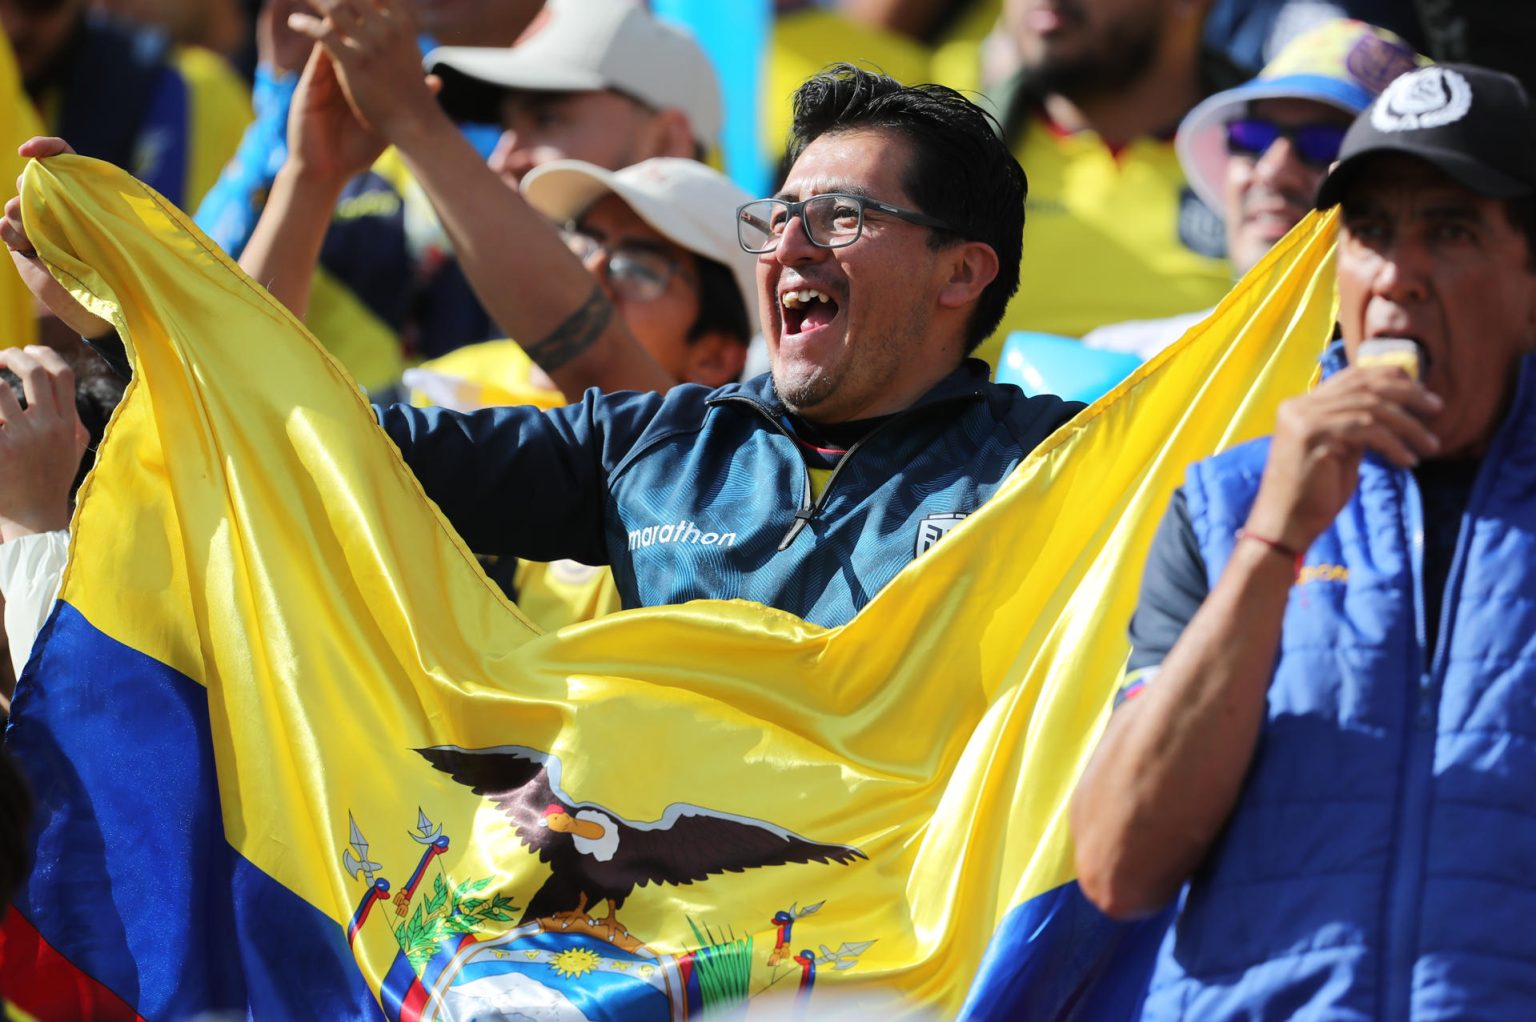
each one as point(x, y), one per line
point(933, 528)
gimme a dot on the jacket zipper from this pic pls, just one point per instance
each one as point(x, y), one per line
point(809, 509)
point(1401, 918)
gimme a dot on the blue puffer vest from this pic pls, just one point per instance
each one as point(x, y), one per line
point(1381, 863)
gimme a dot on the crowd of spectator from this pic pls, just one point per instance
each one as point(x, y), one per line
point(513, 223)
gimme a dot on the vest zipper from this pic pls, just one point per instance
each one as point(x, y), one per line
point(1402, 916)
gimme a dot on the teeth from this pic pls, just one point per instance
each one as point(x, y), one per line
point(795, 299)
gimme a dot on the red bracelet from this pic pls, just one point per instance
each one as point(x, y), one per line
point(1289, 553)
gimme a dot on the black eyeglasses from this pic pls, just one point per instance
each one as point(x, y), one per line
point(1315, 144)
point(636, 272)
point(832, 220)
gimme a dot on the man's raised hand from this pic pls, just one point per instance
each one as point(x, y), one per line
point(373, 47)
point(1320, 437)
point(49, 293)
point(40, 445)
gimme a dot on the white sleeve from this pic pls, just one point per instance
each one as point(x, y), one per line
point(30, 570)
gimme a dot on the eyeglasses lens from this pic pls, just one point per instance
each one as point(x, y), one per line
point(638, 275)
point(830, 221)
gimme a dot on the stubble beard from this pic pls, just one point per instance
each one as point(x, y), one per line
point(807, 388)
point(1111, 65)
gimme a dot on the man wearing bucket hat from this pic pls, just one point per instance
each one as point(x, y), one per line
point(1335, 752)
point(1257, 152)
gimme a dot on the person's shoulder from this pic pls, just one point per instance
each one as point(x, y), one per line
point(1032, 412)
point(1245, 460)
point(680, 408)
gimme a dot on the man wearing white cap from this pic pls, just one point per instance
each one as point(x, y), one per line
point(601, 80)
point(1257, 152)
point(564, 325)
point(660, 238)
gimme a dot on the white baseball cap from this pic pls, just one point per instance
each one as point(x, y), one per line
point(585, 46)
point(689, 203)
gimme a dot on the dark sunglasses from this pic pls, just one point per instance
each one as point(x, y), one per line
point(1316, 144)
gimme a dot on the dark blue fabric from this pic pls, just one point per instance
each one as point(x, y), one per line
point(1056, 958)
point(1378, 862)
point(134, 881)
point(690, 495)
point(162, 157)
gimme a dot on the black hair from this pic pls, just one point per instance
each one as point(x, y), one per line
point(721, 305)
point(961, 170)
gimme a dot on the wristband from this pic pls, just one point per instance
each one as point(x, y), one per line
point(1289, 553)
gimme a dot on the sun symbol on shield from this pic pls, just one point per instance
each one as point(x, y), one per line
point(574, 963)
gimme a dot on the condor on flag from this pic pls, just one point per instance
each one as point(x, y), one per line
point(297, 758)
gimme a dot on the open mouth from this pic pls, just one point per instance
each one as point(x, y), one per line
point(806, 309)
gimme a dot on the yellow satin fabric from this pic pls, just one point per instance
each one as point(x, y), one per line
point(18, 122)
point(248, 524)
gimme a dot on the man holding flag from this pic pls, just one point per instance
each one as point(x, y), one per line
point(298, 652)
point(1327, 729)
point(879, 272)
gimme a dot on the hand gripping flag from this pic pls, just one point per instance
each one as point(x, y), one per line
point(297, 758)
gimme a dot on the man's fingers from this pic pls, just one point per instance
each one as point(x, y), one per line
point(309, 25)
point(59, 376)
point(40, 147)
point(1389, 445)
point(10, 408)
point(37, 379)
point(12, 230)
point(341, 14)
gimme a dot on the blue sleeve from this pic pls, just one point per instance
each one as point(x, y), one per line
point(520, 482)
point(161, 146)
point(231, 208)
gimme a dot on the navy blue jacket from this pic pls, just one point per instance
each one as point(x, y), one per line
point(704, 494)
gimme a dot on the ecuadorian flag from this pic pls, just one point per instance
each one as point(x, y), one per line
point(297, 758)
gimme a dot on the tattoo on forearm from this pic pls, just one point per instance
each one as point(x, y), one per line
point(578, 332)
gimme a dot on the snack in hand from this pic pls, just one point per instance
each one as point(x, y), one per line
point(1391, 351)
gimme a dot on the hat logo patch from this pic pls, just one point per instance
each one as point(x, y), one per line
point(1376, 63)
point(1431, 97)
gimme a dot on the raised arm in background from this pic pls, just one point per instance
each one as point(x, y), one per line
point(531, 284)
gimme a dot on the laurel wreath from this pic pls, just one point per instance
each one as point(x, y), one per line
point(450, 911)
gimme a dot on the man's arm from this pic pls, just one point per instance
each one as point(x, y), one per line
point(531, 284)
point(1169, 770)
point(228, 213)
point(517, 481)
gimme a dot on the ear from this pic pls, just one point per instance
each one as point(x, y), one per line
point(669, 134)
point(714, 359)
point(971, 266)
